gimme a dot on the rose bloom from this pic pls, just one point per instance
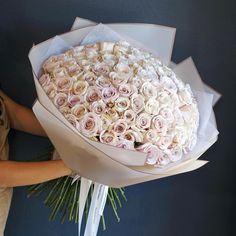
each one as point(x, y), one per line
point(112, 114)
point(126, 90)
point(123, 69)
point(159, 124)
point(148, 90)
point(126, 144)
point(164, 99)
point(93, 94)
point(164, 142)
point(109, 94)
point(143, 121)
point(176, 154)
point(52, 63)
point(168, 84)
point(103, 82)
point(122, 104)
point(120, 126)
point(108, 137)
point(64, 84)
point(163, 159)
point(90, 125)
point(79, 111)
point(60, 72)
point(185, 95)
point(98, 107)
point(136, 82)
point(75, 99)
point(73, 120)
point(101, 69)
point(134, 136)
point(129, 116)
point(137, 102)
point(80, 87)
point(167, 114)
point(117, 78)
point(152, 106)
point(152, 151)
point(90, 77)
point(45, 80)
point(151, 136)
point(60, 100)
point(65, 110)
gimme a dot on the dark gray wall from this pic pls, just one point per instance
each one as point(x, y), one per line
point(196, 203)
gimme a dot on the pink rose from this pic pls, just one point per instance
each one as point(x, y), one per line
point(133, 136)
point(93, 94)
point(143, 121)
point(126, 144)
point(73, 120)
point(159, 124)
point(164, 142)
point(151, 136)
point(129, 116)
point(119, 127)
point(60, 100)
point(79, 111)
point(126, 90)
point(98, 107)
point(90, 77)
point(45, 80)
point(80, 87)
point(109, 94)
point(108, 137)
point(103, 82)
point(101, 69)
point(137, 102)
point(152, 151)
point(64, 84)
point(122, 104)
point(90, 125)
point(75, 99)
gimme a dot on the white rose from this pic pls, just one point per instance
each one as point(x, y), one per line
point(137, 102)
point(151, 136)
point(98, 107)
point(164, 142)
point(159, 124)
point(112, 114)
point(45, 80)
point(79, 111)
point(162, 160)
point(119, 127)
point(148, 90)
point(90, 77)
point(117, 78)
point(90, 125)
point(80, 87)
point(122, 104)
point(60, 72)
point(109, 94)
point(168, 84)
point(185, 95)
point(152, 106)
point(73, 120)
point(108, 137)
point(103, 82)
point(143, 121)
point(75, 99)
point(134, 136)
point(164, 99)
point(60, 100)
point(101, 69)
point(52, 63)
point(126, 90)
point(175, 154)
point(152, 151)
point(129, 116)
point(93, 94)
point(126, 144)
point(64, 84)
point(167, 114)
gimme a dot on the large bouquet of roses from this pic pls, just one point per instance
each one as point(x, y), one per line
point(116, 114)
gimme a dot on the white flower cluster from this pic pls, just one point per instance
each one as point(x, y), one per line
point(123, 96)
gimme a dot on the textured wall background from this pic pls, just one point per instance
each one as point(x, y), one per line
point(196, 203)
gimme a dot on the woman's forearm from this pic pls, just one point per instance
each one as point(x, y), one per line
point(14, 174)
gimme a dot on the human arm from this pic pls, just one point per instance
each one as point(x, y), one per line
point(21, 118)
point(14, 173)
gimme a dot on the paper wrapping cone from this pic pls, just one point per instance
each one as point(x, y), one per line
point(99, 162)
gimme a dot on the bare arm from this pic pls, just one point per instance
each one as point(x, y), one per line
point(22, 118)
point(14, 174)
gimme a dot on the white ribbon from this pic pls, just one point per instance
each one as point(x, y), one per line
point(85, 185)
point(96, 209)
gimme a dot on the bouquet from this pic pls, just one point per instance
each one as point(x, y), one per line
point(116, 114)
